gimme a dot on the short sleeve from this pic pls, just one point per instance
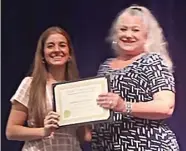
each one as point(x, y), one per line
point(158, 74)
point(103, 68)
point(22, 93)
point(100, 71)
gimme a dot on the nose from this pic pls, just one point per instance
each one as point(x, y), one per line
point(56, 48)
point(128, 33)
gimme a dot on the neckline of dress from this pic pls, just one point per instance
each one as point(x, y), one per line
point(126, 67)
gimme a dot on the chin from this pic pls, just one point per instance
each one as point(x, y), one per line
point(59, 63)
point(128, 49)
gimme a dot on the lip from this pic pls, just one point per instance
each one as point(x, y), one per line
point(57, 57)
point(128, 41)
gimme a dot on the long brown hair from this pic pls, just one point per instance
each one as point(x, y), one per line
point(37, 98)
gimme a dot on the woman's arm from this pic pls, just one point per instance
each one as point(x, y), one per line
point(161, 107)
point(162, 86)
point(15, 129)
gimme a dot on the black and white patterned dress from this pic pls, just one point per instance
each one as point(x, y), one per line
point(136, 83)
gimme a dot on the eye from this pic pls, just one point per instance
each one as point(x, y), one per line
point(50, 46)
point(135, 30)
point(62, 45)
point(123, 29)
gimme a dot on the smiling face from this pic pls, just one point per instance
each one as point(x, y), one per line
point(56, 50)
point(131, 34)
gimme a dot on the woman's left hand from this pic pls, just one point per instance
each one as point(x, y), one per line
point(111, 101)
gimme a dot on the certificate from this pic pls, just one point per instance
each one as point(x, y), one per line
point(76, 103)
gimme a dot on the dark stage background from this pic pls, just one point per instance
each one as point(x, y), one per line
point(88, 22)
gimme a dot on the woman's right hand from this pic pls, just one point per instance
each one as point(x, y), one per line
point(51, 123)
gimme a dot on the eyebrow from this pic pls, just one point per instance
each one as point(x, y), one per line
point(135, 26)
point(51, 42)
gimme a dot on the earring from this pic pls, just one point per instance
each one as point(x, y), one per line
point(43, 60)
point(114, 45)
point(114, 42)
point(69, 58)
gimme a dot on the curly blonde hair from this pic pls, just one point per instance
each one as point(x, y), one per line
point(155, 43)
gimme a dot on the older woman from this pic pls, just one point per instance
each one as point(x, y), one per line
point(143, 88)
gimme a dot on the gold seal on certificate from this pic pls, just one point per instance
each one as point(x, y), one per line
point(75, 101)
